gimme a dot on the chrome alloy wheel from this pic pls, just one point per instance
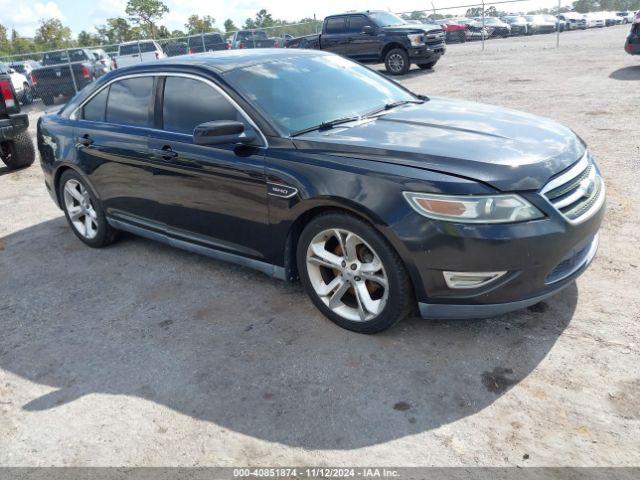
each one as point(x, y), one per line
point(78, 204)
point(347, 274)
point(396, 62)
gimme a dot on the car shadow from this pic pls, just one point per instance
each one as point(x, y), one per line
point(626, 73)
point(414, 72)
point(224, 344)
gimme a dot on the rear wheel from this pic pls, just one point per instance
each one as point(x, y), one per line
point(462, 36)
point(397, 61)
point(352, 274)
point(84, 212)
point(27, 95)
point(19, 152)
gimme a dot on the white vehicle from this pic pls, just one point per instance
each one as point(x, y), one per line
point(573, 20)
point(594, 20)
point(20, 84)
point(626, 16)
point(130, 53)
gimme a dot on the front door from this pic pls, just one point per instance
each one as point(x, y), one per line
point(214, 196)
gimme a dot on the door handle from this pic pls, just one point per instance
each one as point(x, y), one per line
point(84, 140)
point(166, 153)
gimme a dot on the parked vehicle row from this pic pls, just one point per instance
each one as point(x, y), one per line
point(16, 148)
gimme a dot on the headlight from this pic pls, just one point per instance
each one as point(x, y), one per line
point(473, 208)
point(416, 39)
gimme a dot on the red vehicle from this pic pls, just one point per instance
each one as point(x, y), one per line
point(454, 31)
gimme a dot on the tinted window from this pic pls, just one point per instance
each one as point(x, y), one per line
point(94, 110)
point(128, 49)
point(188, 103)
point(129, 102)
point(336, 25)
point(213, 38)
point(147, 47)
point(356, 23)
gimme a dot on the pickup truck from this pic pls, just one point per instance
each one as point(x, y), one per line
point(16, 149)
point(254, 39)
point(130, 53)
point(54, 78)
point(376, 36)
point(207, 42)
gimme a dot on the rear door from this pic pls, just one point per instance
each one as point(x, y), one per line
point(335, 36)
point(214, 196)
point(111, 141)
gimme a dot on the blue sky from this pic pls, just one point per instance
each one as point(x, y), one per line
point(23, 15)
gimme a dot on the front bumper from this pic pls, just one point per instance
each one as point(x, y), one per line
point(540, 258)
point(427, 53)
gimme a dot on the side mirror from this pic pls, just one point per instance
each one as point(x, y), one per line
point(368, 30)
point(221, 132)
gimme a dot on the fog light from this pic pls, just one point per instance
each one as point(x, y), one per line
point(470, 279)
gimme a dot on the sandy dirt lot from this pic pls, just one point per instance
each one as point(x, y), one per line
point(140, 354)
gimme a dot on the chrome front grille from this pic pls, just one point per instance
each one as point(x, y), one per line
point(578, 193)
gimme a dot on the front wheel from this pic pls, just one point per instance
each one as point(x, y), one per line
point(397, 61)
point(84, 212)
point(47, 99)
point(27, 95)
point(352, 274)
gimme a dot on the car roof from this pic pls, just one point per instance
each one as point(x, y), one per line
point(226, 60)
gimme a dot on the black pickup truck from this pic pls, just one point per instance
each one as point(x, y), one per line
point(378, 36)
point(16, 149)
point(54, 77)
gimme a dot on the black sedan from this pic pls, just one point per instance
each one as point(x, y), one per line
point(303, 164)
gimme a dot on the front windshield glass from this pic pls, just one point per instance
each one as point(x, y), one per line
point(300, 92)
point(386, 19)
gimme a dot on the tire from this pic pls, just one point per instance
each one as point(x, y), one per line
point(427, 66)
point(19, 152)
point(462, 36)
point(396, 61)
point(101, 233)
point(27, 96)
point(47, 99)
point(351, 295)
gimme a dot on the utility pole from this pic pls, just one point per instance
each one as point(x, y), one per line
point(558, 26)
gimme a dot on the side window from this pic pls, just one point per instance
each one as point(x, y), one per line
point(146, 47)
point(95, 108)
point(336, 25)
point(129, 102)
point(357, 22)
point(188, 103)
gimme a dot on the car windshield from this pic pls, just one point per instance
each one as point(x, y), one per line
point(386, 19)
point(18, 67)
point(302, 92)
point(490, 21)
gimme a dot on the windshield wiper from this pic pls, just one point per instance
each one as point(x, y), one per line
point(392, 105)
point(329, 124)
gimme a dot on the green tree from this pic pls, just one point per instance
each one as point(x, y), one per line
point(20, 44)
point(116, 30)
point(52, 34)
point(229, 26)
point(584, 6)
point(197, 24)
point(5, 46)
point(145, 13)
point(263, 19)
point(86, 39)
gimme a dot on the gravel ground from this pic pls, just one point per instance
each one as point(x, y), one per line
point(140, 354)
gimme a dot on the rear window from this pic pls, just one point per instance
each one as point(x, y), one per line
point(258, 35)
point(94, 110)
point(129, 101)
point(53, 58)
point(19, 68)
point(132, 48)
point(335, 25)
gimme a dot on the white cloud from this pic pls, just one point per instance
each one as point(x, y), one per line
point(25, 17)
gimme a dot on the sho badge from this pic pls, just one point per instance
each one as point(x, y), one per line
point(283, 191)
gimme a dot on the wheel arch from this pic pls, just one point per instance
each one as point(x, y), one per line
point(329, 205)
point(57, 175)
point(390, 46)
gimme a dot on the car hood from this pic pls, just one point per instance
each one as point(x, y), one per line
point(410, 28)
point(507, 149)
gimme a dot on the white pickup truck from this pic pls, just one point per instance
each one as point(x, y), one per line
point(138, 51)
